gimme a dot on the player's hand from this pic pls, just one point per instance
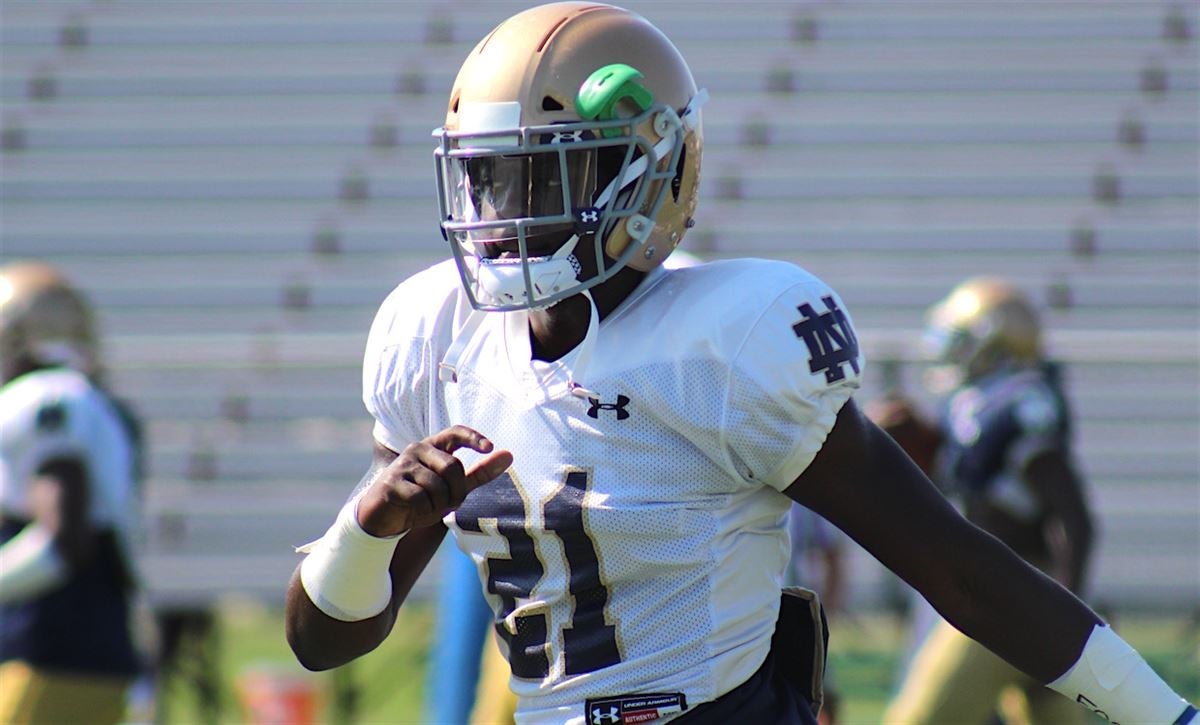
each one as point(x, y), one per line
point(426, 481)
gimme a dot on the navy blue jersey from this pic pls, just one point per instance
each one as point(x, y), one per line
point(993, 428)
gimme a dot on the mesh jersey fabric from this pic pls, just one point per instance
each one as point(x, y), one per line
point(638, 542)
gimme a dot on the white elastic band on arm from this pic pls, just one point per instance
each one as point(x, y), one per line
point(30, 565)
point(1111, 679)
point(346, 571)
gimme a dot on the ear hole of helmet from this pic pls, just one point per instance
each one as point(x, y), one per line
point(550, 103)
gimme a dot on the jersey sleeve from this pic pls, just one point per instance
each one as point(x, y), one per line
point(42, 421)
point(397, 370)
point(796, 367)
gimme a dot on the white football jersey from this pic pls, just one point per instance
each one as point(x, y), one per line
point(60, 413)
point(638, 543)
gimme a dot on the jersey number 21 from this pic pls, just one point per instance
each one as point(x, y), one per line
point(589, 642)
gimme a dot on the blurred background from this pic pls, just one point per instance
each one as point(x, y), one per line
point(238, 184)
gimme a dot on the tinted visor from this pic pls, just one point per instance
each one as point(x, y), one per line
point(539, 189)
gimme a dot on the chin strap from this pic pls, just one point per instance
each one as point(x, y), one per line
point(448, 367)
point(584, 354)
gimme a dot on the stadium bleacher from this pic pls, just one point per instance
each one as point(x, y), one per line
point(238, 187)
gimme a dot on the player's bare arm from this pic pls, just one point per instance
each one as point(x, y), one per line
point(405, 495)
point(59, 501)
point(865, 484)
point(1059, 490)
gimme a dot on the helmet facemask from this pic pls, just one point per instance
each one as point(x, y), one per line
point(530, 211)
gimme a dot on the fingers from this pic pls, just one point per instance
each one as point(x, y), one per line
point(459, 436)
point(426, 480)
point(487, 469)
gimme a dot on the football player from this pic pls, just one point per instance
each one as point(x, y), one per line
point(1006, 459)
point(617, 445)
point(68, 462)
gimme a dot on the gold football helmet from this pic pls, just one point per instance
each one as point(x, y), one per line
point(43, 320)
point(571, 149)
point(984, 324)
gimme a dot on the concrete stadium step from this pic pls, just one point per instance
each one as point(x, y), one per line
point(435, 65)
point(862, 186)
point(416, 115)
point(388, 269)
point(148, 23)
point(786, 129)
point(84, 82)
point(30, 174)
point(746, 226)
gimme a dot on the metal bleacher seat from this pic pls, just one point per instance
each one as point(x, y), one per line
point(238, 187)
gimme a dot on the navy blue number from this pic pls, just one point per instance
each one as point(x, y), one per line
point(589, 643)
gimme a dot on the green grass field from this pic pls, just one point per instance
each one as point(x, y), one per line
point(390, 681)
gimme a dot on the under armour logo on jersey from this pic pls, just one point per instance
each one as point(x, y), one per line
point(618, 407)
point(830, 339)
point(599, 717)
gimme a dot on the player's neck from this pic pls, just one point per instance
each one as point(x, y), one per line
point(555, 331)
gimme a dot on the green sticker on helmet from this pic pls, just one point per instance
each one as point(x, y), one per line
point(605, 88)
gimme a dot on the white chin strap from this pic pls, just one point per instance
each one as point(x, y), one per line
point(502, 281)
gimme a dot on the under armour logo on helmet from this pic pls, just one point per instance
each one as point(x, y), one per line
point(619, 407)
point(587, 220)
point(568, 136)
point(599, 717)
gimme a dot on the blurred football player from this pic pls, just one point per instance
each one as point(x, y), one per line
point(615, 443)
point(1007, 461)
point(68, 461)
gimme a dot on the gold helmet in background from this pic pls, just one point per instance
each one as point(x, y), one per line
point(571, 149)
point(43, 321)
point(984, 324)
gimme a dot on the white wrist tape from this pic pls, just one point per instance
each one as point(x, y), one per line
point(346, 571)
point(30, 565)
point(1111, 679)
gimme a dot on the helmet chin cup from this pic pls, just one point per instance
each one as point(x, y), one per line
point(502, 281)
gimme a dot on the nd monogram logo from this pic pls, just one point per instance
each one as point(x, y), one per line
point(618, 407)
point(830, 339)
